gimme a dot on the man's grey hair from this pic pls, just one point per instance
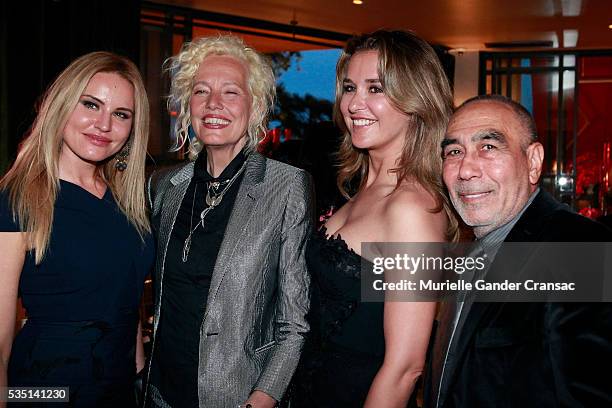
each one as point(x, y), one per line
point(522, 114)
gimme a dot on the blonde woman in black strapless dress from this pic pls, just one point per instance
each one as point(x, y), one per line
point(393, 103)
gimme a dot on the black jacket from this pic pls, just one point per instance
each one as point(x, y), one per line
point(534, 354)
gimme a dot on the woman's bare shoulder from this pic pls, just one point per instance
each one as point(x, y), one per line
point(411, 216)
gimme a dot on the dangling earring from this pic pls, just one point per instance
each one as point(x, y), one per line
point(121, 158)
point(191, 133)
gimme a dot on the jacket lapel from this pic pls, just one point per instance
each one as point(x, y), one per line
point(532, 223)
point(249, 192)
point(171, 203)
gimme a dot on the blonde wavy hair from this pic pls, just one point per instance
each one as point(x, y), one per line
point(32, 182)
point(414, 82)
point(183, 67)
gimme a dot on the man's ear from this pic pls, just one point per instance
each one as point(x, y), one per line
point(535, 157)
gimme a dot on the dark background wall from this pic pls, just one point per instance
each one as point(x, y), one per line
point(39, 38)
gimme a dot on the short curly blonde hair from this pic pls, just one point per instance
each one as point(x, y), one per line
point(183, 68)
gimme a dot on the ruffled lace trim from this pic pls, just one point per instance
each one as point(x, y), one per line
point(337, 251)
point(332, 312)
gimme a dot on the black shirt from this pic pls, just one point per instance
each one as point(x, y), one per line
point(186, 284)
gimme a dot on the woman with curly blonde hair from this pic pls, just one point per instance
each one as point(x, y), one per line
point(231, 226)
point(75, 236)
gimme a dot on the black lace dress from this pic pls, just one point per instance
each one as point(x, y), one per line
point(346, 346)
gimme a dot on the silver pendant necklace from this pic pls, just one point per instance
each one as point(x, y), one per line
point(213, 199)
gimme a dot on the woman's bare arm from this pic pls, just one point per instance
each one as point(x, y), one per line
point(407, 325)
point(12, 248)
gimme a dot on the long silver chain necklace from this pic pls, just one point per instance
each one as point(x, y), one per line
point(213, 199)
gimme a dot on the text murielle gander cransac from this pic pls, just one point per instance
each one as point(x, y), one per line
point(486, 272)
point(410, 264)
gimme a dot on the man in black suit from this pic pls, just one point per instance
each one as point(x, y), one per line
point(510, 354)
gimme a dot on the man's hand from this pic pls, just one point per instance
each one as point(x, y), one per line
point(259, 399)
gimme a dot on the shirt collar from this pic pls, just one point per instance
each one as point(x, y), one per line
point(201, 174)
point(493, 240)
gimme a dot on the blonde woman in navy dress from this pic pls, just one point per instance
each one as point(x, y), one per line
point(75, 237)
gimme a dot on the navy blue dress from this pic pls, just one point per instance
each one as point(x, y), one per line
point(82, 301)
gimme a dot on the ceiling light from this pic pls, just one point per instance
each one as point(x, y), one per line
point(361, 2)
point(610, 26)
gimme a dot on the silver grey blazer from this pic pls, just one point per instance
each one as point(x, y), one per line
point(255, 320)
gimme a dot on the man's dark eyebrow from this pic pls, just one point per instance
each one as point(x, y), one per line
point(487, 134)
point(102, 103)
point(447, 141)
point(490, 134)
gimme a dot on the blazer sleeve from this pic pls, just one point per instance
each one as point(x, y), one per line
point(293, 297)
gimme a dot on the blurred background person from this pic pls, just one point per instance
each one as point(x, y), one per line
point(392, 103)
point(75, 237)
point(231, 281)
